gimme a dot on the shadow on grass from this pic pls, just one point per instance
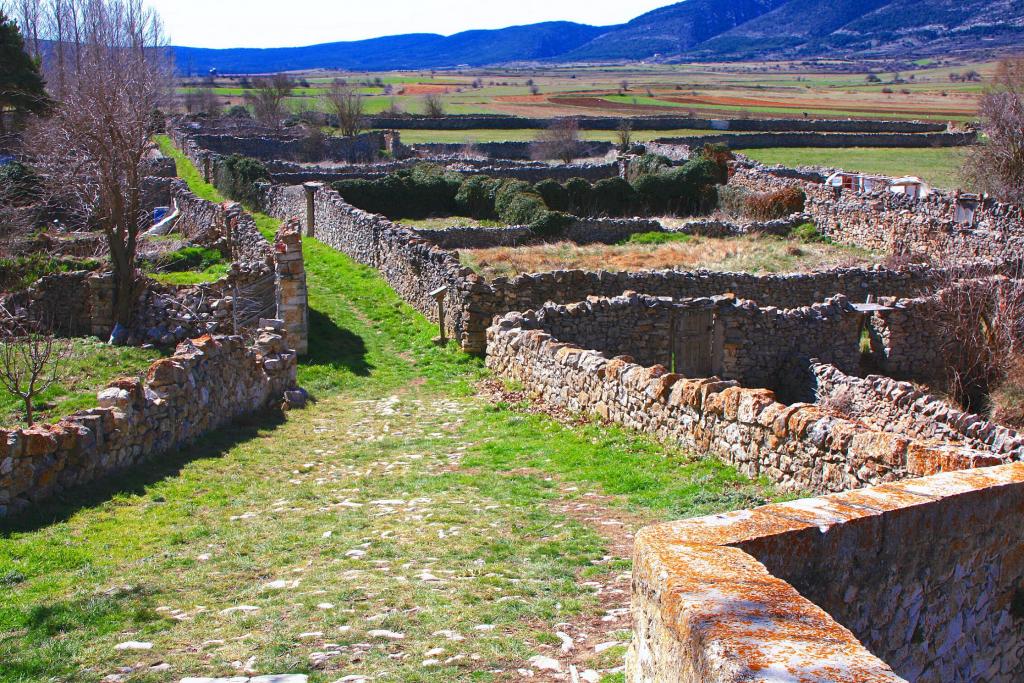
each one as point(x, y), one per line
point(334, 347)
point(136, 479)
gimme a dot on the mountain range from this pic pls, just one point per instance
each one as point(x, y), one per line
point(693, 30)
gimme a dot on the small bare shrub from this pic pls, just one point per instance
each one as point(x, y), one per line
point(982, 321)
point(346, 102)
point(997, 165)
point(560, 141)
point(625, 135)
point(840, 401)
point(31, 361)
point(433, 106)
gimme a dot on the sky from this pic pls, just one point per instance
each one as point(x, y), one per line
point(285, 23)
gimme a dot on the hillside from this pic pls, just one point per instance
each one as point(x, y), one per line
point(412, 51)
point(689, 30)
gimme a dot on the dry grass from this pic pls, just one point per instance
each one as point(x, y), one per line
point(739, 254)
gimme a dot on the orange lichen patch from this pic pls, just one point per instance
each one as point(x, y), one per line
point(725, 529)
point(884, 447)
point(954, 483)
point(748, 621)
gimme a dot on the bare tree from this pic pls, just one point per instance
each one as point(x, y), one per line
point(433, 106)
point(996, 166)
point(109, 73)
point(561, 140)
point(346, 102)
point(30, 363)
point(268, 98)
point(625, 135)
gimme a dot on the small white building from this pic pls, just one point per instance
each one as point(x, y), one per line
point(911, 186)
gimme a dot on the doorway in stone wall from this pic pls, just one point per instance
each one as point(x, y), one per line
point(693, 343)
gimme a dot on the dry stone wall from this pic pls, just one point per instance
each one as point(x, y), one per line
point(206, 384)
point(744, 342)
point(945, 227)
point(912, 581)
point(414, 267)
point(362, 148)
point(899, 407)
point(463, 122)
point(798, 447)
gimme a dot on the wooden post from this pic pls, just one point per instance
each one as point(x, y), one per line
point(439, 296)
point(310, 189)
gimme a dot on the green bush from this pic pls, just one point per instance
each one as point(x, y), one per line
point(808, 232)
point(237, 177)
point(551, 223)
point(554, 194)
point(657, 238)
point(475, 197)
point(613, 197)
point(422, 191)
point(648, 164)
point(21, 272)
point(581, 196)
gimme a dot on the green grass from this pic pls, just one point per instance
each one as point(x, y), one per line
point(657, 238)
point(193, 277)
point(21, 272)
point(93, 364)
point(398, 460)
point(939, 166)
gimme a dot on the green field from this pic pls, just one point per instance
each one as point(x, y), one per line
point(938, 166)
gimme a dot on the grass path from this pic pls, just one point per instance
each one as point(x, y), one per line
point(403, 528)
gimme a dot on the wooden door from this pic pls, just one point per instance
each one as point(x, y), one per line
point(694, 342)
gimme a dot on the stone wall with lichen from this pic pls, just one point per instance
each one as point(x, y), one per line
point(206, 384)
point(913, 581)
point(743, 342)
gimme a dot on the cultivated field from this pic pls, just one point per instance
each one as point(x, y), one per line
point(708, 90)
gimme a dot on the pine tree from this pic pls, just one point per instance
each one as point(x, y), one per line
point(22, 88)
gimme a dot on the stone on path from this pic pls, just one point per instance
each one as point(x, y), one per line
point(272, 678)
point(133, 645)
point(381, 633)
point(240, 608)
point(545, 663)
